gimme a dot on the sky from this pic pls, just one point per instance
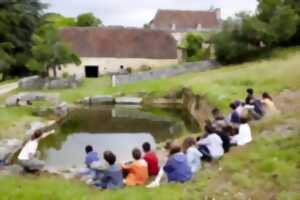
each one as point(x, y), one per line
point(138, 12)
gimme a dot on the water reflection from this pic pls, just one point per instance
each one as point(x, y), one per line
point(111, 128)
point(71, 152)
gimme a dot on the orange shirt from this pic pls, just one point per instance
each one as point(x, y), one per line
point(138, 173)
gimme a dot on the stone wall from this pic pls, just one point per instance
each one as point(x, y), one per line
point(113, 65)
point(157, 74)
point(36, 82)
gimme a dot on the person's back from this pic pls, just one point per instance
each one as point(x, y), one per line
point(112, 176)
point(137, 170)
point(27, 157)
point(138, 173)
point(28, 150)
point(268, 104)
point(91, 156)
point(214, 144)
point(234, 115)
point(194, 158)
point(152, 162)
point(177, 168)
point(258, 107)
point(244, 135)
point(151, 159)
point(225, 137)
point(192, 153)
point(226, 141)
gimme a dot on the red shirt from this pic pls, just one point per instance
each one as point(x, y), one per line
point(152, 161)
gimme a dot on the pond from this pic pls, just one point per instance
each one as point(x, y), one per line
point(115, 128)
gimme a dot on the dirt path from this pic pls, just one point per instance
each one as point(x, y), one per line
point(8, 87)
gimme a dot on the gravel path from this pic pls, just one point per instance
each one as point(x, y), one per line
point(8, 87)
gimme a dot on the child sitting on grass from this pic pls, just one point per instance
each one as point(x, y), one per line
point(177, 168)
point(192, 153)
point(112, 176)
point(137, 170)
point(244, 135)
point(212, 145)
point(151, 159)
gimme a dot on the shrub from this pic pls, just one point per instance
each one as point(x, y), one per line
point(65, 75)
point(145, 68)
point(192, 44)
point(129, 70)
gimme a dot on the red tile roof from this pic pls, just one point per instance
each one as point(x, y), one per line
point(119, 42)
point(183, 19)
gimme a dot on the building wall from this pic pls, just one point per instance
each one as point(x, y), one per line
point(112, 65)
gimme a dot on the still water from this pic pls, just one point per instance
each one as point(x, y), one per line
point(119, 129)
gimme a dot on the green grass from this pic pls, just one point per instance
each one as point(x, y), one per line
point(49, 187)
point(264, 169)
point(15, 121)
point(221, 86)
point(8, 81)
point(268, 168)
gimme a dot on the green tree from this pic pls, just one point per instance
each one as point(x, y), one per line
point(284, 24)
point(18, 21)
point(49, 51)
point(247, 36)
point(88, 19)
point(192, 45)
point(60, 21)
point(6, 60)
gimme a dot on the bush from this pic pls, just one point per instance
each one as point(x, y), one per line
point(145, 68)
point(246, 37)
point(129, 70)
point(193, 45)
point(65, 75)
point(229, 49)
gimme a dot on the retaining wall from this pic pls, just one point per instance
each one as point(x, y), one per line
point(122, 79)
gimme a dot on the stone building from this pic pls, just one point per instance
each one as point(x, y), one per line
point(179, 22)
point(108, 50)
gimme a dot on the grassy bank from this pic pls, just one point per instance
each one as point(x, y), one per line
point(268, 168)
point(220, 86)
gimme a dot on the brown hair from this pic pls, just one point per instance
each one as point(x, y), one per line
point(136, 153)
point(187, 143)
point(174, 149)
point(37, 134)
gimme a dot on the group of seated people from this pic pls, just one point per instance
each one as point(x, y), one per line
point(181, 162)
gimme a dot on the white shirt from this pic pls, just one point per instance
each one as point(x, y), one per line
point(29, 148)
point(244, 135)
point(194, 158)
point(214, 144)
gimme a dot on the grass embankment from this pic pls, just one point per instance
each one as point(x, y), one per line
point(268, 168)
point(220, 86)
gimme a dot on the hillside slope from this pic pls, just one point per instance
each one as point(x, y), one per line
point(268, 168)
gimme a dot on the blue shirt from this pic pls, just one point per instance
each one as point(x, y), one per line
point(112, 178)
point(177, 168)
point(235, 117)
point(90, 158)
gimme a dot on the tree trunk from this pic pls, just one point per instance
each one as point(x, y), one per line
point(54, 72)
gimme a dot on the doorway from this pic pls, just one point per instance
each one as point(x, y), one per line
point(91, 71)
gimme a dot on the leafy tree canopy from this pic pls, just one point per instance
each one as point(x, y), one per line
point(18, 21)
point(49, 51)
point(88, 19)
